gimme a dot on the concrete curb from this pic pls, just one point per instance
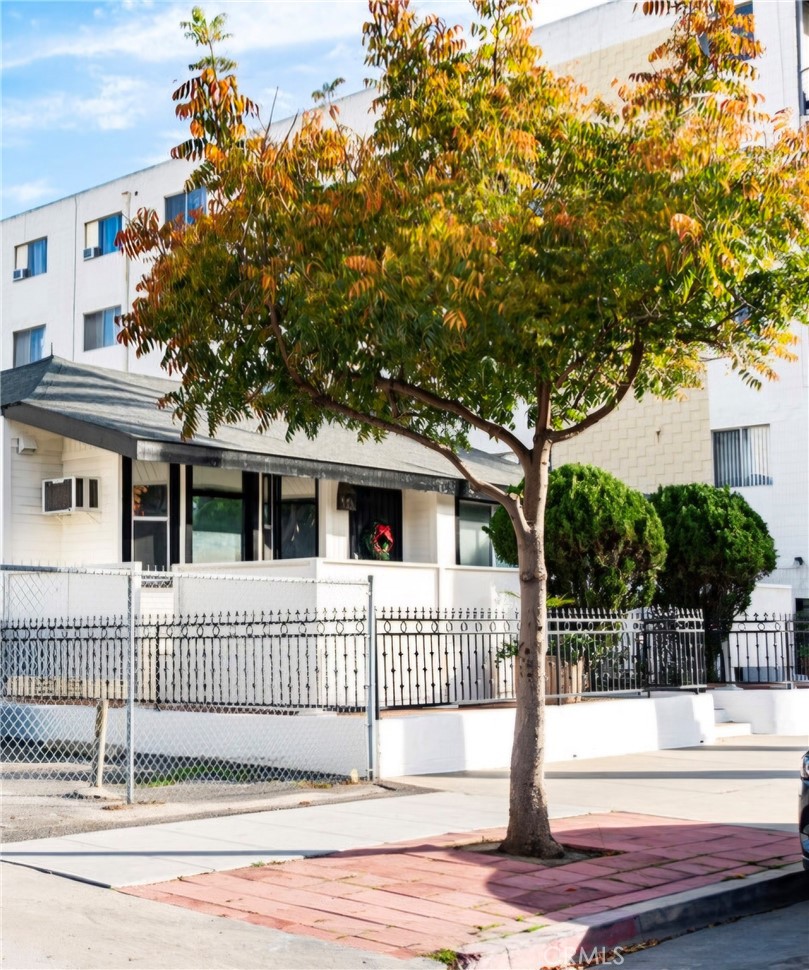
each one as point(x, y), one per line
point(657, 919)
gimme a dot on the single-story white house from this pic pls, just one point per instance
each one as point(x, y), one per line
point(97, 473)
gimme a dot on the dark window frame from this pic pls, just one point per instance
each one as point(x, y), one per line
point(277, 502)
point(362, 492)
point(476, 501)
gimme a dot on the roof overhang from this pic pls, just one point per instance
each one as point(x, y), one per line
point(119, 412)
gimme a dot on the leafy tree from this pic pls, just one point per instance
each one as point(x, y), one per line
point(604, 543)
point(498, 239)
point(718, 549)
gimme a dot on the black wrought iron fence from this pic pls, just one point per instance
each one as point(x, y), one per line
point(430, 658)
point(672, 649)
point(261, 660)
point(426, 658)
point(765, 648)
point(81, 659)
point(296, 660)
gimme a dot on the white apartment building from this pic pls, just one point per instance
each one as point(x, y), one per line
point(79, 409)
point(727, 433)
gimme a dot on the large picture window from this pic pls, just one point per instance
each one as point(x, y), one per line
point(217, 515)
point(474, 545)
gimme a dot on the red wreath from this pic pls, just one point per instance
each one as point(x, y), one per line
point(379, 540)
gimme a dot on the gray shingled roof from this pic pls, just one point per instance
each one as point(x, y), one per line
point(118, 411)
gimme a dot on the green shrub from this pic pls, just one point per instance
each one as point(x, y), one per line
point(604, 543)
point(718, 549)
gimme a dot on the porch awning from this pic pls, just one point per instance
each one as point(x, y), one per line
point(118, 412)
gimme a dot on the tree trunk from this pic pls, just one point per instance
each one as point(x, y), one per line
point(529, 832)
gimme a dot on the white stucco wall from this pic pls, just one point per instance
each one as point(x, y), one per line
point(476, 740)
point(783, 405)
point(783, 712)
point(428, 743)
point(341, 584)
point(771, 598)
point(71, 287)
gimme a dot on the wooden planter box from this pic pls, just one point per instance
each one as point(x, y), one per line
point(564, 678)
point(572, 680)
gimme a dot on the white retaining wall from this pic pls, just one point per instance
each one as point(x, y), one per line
point(477, 740)
point(427, 743)
point(322, 742)
point(770, 711)
point(61, 596)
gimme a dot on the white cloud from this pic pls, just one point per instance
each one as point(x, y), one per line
point(29, 193)
point(119, 103)
point(150, 34)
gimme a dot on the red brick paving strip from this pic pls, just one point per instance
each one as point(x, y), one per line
point(413, 898)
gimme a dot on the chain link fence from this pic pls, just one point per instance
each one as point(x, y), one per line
point(193, 682)
point(218, 686)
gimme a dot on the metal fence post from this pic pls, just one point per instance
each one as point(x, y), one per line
point(133, 606)
point(371, 711)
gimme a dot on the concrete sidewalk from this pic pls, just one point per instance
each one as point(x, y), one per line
point(749, 782)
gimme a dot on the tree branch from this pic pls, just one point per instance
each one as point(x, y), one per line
point(622, 390)
point(337, 407)
point(453, 407)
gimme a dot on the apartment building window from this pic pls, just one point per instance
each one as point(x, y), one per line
point(100, 328)
point(741, 456)
point(100, 234)
point(29, 345)
point(183, 206)
point(741, 10)
point(745, 10)
point(31, 259)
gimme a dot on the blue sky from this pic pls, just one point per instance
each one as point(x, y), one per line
point(86, 86)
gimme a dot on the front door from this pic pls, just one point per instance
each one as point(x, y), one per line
point(376, 526)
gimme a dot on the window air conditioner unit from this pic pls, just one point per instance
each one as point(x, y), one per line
point(61, 496)
point(21, 274)
point(92, 252)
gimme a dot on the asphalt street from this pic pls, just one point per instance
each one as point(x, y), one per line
point(770, 941)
